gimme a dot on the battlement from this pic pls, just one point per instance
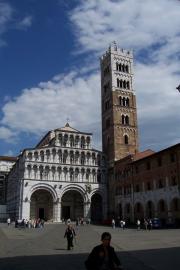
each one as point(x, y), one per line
point(113, 48)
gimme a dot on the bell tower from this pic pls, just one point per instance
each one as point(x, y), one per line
point(118, 104)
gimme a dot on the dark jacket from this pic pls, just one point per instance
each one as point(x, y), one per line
point(69, 233)
point(96, 258)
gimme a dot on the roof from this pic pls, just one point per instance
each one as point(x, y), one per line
point(146, 153)
point(6, 158)
point(68, 128)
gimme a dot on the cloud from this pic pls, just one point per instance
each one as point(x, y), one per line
point(25, 23)
point(5, 133)
point(9, 20)
point(49, 105)
point(151, 28)
point(5, 18)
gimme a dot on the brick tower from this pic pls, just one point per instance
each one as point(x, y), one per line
point(118, 101)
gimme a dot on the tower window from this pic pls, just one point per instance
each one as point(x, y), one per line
point(125, 120)
point(108, 123)
point(127, 69)
point(107, 103)
point(126, 139)
point(127, 102)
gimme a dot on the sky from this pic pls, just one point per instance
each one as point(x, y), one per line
point(50, 71)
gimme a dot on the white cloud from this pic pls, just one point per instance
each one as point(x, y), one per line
point(8, 20)
point(25, 23)
point(5, 18)
point(49, 105)
point(5, 133)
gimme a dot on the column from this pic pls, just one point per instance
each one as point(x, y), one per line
point(57, 211)
point(87, 208)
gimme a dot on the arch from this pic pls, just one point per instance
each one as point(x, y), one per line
point(41, 204)
point(175, 210)
point(162, 210)
point(72, 203)
point(96, 207)
point(150, 209)
point(44, 186)
point(138, 211)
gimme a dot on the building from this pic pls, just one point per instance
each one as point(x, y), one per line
point(140, 184)
point(147, 186)
point(6, 164)
point(119, 113)
point(62, 177)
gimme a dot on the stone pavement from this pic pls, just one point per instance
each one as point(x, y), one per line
point(33, 249)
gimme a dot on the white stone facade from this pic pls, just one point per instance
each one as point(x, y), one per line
point(62, 164)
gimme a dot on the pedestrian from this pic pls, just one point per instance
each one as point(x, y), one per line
point(145, 224)
point(8, 221)
point(138, 224)
point(69, 234)
point(121, 223)
point(113, 223)
point(103, 256)
point(150, 224)
point(124, 224)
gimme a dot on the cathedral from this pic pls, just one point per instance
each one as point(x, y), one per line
point(64, 177)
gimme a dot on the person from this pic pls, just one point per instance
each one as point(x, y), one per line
point(69, 234)
point(103, 257)
point(8, 221)
point(113, 223)
point(150, 224)
point(124, 224)
point(145, 224)
point(138, 224)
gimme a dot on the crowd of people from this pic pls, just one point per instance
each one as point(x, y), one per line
point(25, 223)
point(145, 224)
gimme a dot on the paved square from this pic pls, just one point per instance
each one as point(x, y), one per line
point(31, 249)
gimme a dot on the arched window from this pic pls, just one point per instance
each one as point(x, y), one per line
point(123, 68)
point(124, 84)
point(121, 83)
point(118, 82)
point(117, 66)
point(126, 139)
point(127, 84)
point(124, 101)
point(127, 120)
point(71, 173)
point(82, 142)
point(120, 101)
point(127, 68)
point(127, 102)
point(123, 119)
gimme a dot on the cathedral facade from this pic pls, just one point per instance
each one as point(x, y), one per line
point(62, 177)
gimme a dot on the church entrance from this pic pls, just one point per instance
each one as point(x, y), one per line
point(41, 205)
point(96, 208)
point(72, 204)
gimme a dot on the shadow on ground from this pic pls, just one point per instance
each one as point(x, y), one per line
point(157, 259)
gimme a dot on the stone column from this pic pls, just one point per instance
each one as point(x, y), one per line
point(57, 211)
point(25, 209)
point(87, 213)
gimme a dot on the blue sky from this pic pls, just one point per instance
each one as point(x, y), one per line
point(49, 67)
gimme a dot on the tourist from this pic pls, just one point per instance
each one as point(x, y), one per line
point(103, 256)
point(113, 223)
point(69, 234)
point(138, 224)
point(145, 224)
point(8, 221)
